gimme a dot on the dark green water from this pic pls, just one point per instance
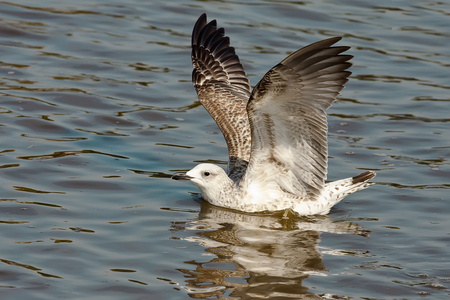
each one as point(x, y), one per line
point(97, 110)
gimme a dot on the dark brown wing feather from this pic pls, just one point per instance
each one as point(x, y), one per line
point(223, 89)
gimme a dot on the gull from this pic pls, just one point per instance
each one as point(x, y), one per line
point(276, 134)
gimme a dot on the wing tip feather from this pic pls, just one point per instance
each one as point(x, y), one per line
point(213, 57)
point(363, 177)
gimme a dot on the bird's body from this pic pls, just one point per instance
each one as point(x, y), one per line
point(276, 134)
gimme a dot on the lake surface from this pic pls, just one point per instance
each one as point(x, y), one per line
point(98, 110)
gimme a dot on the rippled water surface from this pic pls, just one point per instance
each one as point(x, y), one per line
point(97, 110)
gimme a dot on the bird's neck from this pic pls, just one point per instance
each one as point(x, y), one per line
point(226, 194)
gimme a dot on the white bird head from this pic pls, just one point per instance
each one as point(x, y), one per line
point(209, 178)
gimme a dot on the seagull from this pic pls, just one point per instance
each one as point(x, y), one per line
point(276, 134)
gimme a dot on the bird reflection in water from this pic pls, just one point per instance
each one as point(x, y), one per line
point(257, 255)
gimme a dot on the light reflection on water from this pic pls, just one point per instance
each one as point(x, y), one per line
point(97, 110)
point(262, 255)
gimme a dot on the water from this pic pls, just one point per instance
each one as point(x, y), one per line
point(97, 110)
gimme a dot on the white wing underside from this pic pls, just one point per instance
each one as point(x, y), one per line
point(288, 119)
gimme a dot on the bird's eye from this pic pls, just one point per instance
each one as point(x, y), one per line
point(206, 173)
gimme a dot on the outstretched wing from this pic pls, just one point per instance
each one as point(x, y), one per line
point(223, 89)
point(288, 119)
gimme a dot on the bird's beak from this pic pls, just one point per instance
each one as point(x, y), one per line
point(181, 176)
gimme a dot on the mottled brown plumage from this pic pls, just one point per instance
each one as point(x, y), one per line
point(223, 89)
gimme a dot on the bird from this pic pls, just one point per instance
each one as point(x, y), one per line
point(276, 134)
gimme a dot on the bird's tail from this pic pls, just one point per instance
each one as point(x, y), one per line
point(338, 190)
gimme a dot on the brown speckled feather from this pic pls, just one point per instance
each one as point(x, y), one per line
point(223, 89)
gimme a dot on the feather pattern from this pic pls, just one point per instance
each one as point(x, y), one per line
point(288, 119)
point(223, 89)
